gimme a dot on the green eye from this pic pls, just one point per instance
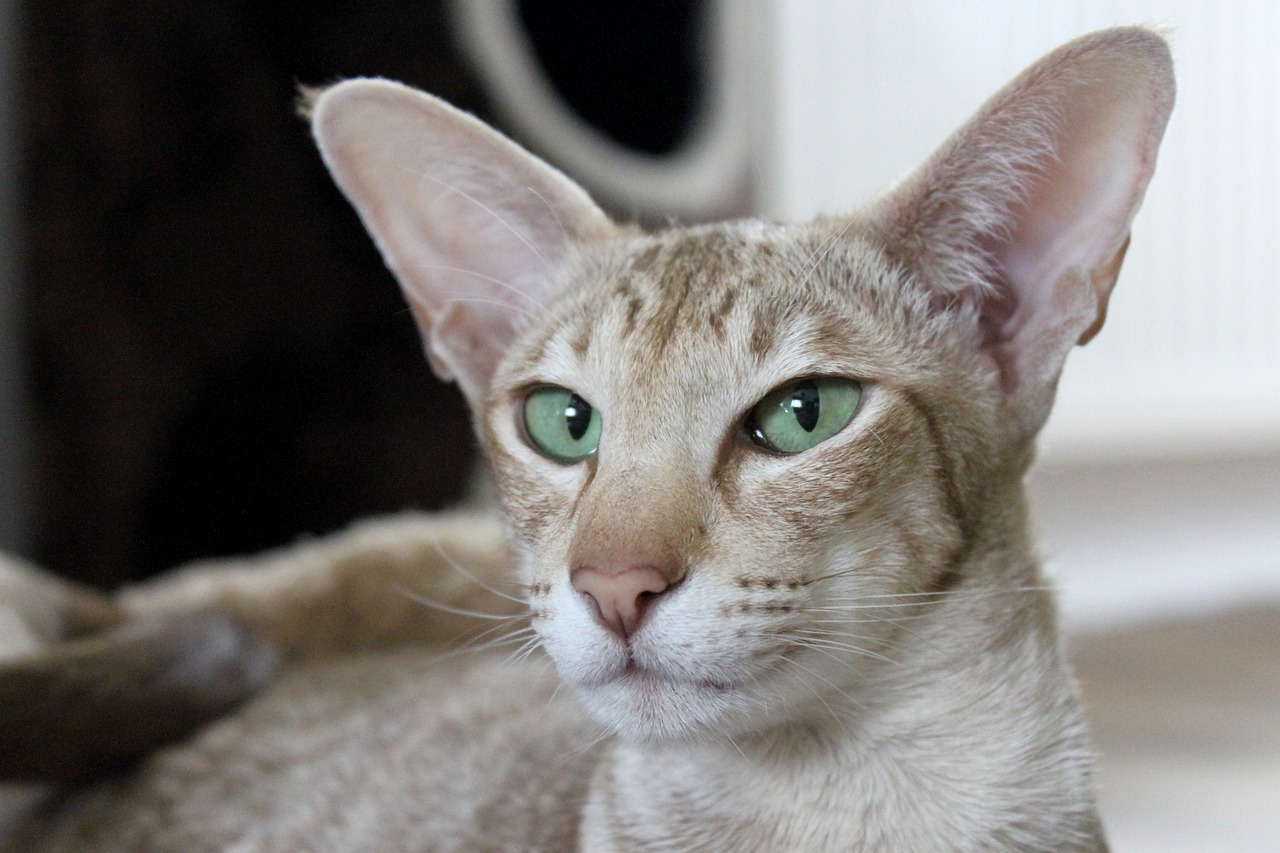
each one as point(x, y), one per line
point(561, 424)
point(803, 414)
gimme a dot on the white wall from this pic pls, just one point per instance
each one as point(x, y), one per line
point(1135, 539)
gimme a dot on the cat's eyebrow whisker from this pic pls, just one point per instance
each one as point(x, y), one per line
point(471, 576)
point(504, 223)
point(816, 256)
point(826, 246)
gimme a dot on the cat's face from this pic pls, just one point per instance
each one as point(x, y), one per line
point(735, 458)
point(773, 558)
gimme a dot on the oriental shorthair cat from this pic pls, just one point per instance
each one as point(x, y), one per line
point(761, 577)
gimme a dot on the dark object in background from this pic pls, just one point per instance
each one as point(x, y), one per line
point(630, 69)
point(91, 705)
point(219, 360)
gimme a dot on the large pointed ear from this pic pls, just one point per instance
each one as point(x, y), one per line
point(1026, 210)
point(472, 226)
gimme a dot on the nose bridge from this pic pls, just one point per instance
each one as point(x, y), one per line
point(639, 514)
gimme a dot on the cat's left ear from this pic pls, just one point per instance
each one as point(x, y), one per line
point(1026, 210)
point(472, 226)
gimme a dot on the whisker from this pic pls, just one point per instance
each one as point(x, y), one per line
point(495, 629)
point(826, 247)
point(497, 643)
point(841, 722)
point(809, 640)
point(827, 682)
point(471, 646)
point(734, 744)
point(505, 285)
point(504, 223)
point(554, 693)
point(526, 649)
point(943, 593)
point(564, 232)
point(449, 608)
point(480, 300)
point(873, 620)
point(574, 753)
point(894, 621)
point(458, 567)
point(480, 634)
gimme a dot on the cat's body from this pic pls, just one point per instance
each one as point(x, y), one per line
point(345, 752)
point(763, 496)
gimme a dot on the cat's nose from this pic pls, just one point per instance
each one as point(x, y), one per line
point(621, 597)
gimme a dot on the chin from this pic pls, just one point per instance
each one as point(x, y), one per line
point(647, 707)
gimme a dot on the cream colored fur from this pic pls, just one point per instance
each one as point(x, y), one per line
point(855, 650)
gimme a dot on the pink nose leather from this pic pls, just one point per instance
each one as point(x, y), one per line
point(621, 597)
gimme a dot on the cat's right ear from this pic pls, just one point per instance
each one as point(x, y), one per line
point(1025, 212)
point(472, 225)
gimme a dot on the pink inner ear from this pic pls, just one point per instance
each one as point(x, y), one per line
point(1077, 214)
point(472, 226)
point(1025, 211)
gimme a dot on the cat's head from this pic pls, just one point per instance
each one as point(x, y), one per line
point(720, 447)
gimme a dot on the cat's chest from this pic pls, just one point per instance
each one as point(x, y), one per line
point(722, 797)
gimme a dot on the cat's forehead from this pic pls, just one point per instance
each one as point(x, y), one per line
point(744, 291)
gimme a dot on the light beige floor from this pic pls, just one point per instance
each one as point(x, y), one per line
point(1186, 716)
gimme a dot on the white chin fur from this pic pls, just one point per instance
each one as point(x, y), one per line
point(642, 706)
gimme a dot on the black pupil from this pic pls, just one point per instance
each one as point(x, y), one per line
point(577, 416)
point(804, 404)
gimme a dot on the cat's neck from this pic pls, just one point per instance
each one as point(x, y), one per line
point(970, 719)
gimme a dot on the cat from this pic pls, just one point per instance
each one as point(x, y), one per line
point(85, 688)
point(762, 497)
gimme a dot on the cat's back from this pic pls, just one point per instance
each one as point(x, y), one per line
point(400, 751)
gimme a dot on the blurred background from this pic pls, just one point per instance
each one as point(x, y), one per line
point(201, 353)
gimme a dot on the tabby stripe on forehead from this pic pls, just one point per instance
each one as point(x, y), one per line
point(720, 312)
point(580, 341)
point(634, 306)
point(764, 324)
point(664, 323)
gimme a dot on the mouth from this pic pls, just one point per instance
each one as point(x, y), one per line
point(635, 675)
point(646, 677)
point(646, 705)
